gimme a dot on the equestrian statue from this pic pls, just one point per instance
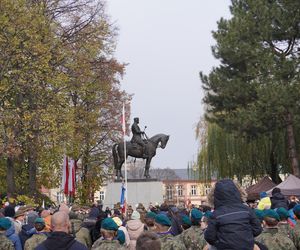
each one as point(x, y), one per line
point(140, 146)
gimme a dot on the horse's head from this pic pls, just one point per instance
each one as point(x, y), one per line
point(164, 141)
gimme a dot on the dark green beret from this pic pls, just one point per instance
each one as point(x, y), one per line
point(259, 214)
point(109, 224)
point(151, 215)
point(208, 214)
point(271, 213)
point(121, 237)
point(196, 214)
point(186, 220)
point(296, 208)
point(283, 213)
point(5, 223)
point(39, 220)
point(163, 220)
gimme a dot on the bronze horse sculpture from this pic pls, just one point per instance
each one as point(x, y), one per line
point(136, 151)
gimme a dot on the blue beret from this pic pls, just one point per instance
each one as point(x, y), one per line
point(151, 215)
point(263, 194)
point(163, 220)
point(296, 208)
point(109, 224)
point(272, 214)
point(186, 220)
point(121, 237)
point(196, 214)
point(283, 213)
point(5, 223)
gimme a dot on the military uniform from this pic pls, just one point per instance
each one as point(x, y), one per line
point(169, 242)
point(193, 238)
point(107, 245)
point(285, 229)
point(296, 235)
point(34, 241)
point(274, 240)
point(5, 243)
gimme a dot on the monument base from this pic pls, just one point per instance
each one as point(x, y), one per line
point(143, 191)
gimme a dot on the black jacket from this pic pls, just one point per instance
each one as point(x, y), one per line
point(233, 225)
point(278, 200)
point(60, 241)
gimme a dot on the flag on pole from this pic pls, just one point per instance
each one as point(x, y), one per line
point(65, 176)
point(123, 199)
point(71, 182)
point(123, 120)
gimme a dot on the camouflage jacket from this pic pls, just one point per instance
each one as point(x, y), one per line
point(5, 243)
point(285, 228)
point(193, 238)
point(169, 242)
point(34, 241)
point(107, 245)
point(275, 240)
point(296, 235)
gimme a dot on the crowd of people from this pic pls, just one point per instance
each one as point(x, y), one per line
point(228, 223)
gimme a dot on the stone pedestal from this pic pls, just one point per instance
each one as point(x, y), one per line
point(139, 191)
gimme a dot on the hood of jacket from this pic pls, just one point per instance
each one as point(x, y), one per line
point(9, 232)
point(134, 225)
point(59, 240)
point(226, 193)
point(278, 196)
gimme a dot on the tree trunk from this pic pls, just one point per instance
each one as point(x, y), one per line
point(292, 145)
point(32, 175)
point(10, 176)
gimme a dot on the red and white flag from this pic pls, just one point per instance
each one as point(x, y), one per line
point(71, 182)
point(65, 176)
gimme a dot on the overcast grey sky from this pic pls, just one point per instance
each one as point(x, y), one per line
point(167, 43)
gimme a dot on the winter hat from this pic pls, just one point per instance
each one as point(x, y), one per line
point(283, 213)
point(272, 214)
point(151, 215)
point(275, 191)
point(208, 214)
point(186, 220)
point(263, 194)
point(9, 211)
point(5, 223)
point(163, 220)
point(196, 215)
point(296, 209)
point(109, 224)
point(135, 215)
point(118, 221)
point(121, 237)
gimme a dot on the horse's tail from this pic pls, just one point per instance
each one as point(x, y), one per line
point(115, 155)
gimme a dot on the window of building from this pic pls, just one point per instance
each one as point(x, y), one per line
point(101, 195)
point(193, 190)
point(207, 189)
point(179, 190)
point(169, 193)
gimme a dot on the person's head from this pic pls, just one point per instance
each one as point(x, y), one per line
point(271, 218)
point(150, 219)
point(136, 120)
point(162, 223)
point(196, 216)
point(5, 224)
point(135, 215)
point(296, 211)
point(60, 222)
point(186, 222)
point(283, 214)
point(276, 191)
point(263, 195)
point(9, 211)
point(148, 240)
point(109, 228)
point(20, 214)
point(39, 224)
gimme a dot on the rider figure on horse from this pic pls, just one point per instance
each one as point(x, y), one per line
point(137, 136)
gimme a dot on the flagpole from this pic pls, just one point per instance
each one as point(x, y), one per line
point(125, 156)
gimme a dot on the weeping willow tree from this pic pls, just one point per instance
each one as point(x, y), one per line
point(223, 154)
